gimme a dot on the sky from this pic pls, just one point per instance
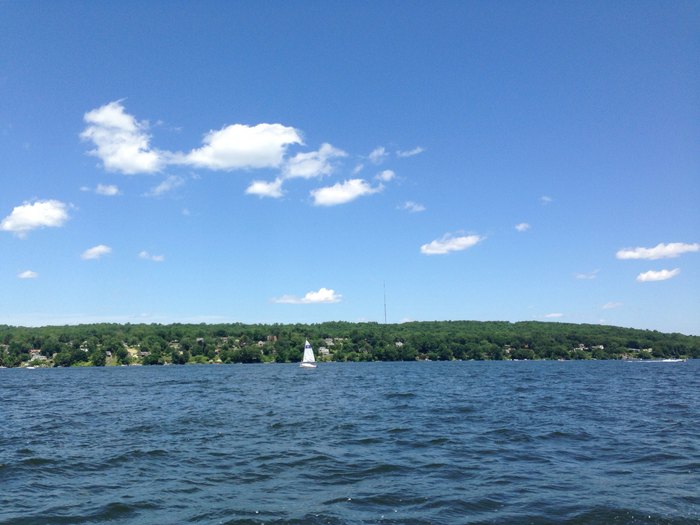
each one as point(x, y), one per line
point(298, 162)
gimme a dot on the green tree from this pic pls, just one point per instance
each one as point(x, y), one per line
point(179, 358)
point(99, 357)
point(153, 359)
point(63, 359)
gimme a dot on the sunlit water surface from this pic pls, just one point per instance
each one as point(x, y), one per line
point(390, 443)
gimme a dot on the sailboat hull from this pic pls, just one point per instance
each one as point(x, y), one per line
point(307, 365)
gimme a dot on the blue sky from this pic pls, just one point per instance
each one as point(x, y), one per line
point(281, 161)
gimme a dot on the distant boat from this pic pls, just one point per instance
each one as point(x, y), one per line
point(308, 361)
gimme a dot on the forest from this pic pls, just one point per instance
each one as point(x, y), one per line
point(156, 344)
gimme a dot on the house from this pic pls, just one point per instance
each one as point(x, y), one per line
point(35, 355)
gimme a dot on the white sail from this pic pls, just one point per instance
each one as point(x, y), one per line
point(308, 353)
point(308, 361)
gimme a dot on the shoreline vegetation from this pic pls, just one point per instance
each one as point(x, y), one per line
point(155, 344)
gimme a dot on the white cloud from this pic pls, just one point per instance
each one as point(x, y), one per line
point(587, 276)
point(263, 188)
point(240, 147)
point(447, 243)
point(522, 227)
point(611, 305)
point(386, 176)
point(108, 190)
point(323, 295)
point(39, 214)
point(660, 251)
point(660, 275)
point(343, 192)
point(357, 169)
point(169, 184)
point(545, 199)
point(378, 155)
point(150, 257)
point(96, 252)
point(555, 315)
point(312, 164)
point(122, 142)
point(412, 207)
point(410, 153)
point(28, 274)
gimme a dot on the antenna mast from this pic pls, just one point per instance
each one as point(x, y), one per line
point(384, 302)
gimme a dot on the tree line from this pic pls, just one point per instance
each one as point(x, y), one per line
point(156, 344)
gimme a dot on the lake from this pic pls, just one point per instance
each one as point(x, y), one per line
point(351, 443)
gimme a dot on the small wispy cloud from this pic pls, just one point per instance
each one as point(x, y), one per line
point(522, 227)
point(27, 274)
point(386, 176)
point(546, 199)
point(410, 153)
point(96, 252)
point(611, 305)
point(657, 275)
point(313, 164)
point(323, 295)
point(108, 190)
point(171, 183)
point(263, 188)
point(378, 155)
point(412, 207)
point(343, 192)
point(555, 315)
point(150, 257)
point(33, 215)
point(587, 275)
point(660, 251)
point(449, 243)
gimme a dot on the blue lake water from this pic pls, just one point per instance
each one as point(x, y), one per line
point(351, 443)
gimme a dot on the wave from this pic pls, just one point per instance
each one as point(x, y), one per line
point(109, 512)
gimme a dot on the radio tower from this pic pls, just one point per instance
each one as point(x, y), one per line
point(384, 302)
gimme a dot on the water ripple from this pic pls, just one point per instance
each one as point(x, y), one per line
point(366, 443)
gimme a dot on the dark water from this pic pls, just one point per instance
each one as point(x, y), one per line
point(390, 443)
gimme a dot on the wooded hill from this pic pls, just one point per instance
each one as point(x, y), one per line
point(113, 344)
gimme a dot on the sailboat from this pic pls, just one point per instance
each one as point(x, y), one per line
point(308, 361)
